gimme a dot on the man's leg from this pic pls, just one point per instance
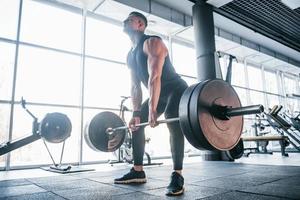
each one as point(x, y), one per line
point(136, 174)
point(138, 139)
point(176, 142)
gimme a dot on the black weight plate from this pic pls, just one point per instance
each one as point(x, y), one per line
point(96, 136)
point(55, 127)
point(237, 151)
point(184, 117)
point(193, 111)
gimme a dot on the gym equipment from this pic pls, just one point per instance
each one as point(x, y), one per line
point(209, 116)
point(55, 128)
point(283, 141)
point(283, 126)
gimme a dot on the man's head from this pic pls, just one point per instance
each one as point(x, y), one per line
point(135, 22)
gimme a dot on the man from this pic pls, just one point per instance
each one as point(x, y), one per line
point(150, 64)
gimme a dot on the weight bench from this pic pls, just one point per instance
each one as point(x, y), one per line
point(281, 138)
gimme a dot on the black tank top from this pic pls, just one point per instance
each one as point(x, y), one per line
point(137, 61)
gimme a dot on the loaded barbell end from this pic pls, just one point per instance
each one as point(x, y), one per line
point(226, 112)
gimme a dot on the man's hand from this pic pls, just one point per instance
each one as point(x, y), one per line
point(133, 122)
point(152, 118)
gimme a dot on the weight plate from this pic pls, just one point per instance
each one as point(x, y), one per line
point(184, 118)
point(213, 132)
point(237, 151)
point(96, 136)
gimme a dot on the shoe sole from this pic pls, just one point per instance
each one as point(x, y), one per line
point(137, 180)
point(180, 192)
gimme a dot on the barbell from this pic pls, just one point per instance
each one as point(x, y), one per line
point(210, 116)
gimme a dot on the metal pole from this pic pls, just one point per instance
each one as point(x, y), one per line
point(7, 164)
point(204, 40)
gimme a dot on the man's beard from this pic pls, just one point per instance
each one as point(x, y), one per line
point(129, 31)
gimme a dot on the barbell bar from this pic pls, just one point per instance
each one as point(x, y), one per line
point(221, 112)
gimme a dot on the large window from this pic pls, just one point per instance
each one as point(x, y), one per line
point(238, 74)
point(48, 77)
point(7, 53)
point(271, 82)
point(256, 97)
point(36, 153)
point(106, 40)
point(255, 78)
point(184, 59)
point(242, 95)
point(105, 82)
point(51, 26)
point(290, 87)
point(9, 10)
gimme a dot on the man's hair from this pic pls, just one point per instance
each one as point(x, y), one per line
point(140, 15)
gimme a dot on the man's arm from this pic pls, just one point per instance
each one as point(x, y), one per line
point(157, 52)
point(136, 92)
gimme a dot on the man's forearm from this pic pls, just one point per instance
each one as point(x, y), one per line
point(136, 97)
point(154, 87)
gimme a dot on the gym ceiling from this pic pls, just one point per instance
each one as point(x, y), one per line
point(265, 32)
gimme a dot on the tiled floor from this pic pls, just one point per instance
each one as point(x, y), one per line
point(257, 177)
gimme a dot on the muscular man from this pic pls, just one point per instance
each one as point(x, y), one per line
point(149, 63)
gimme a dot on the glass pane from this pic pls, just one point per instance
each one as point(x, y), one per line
point(35, 153)
point(272, 100)
point(105, 82)
point(7, 55)
point(184, 59)
point(159, 144)
point(290, 85)
point(242, 95)
point(4, 127)
point(51, 26)
point(238, 74)
point(292, 105)
point(9, 10)
point(255, 78)
point(271, 82)
point(106, 40)
point(256, 97)
point(48, 76)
